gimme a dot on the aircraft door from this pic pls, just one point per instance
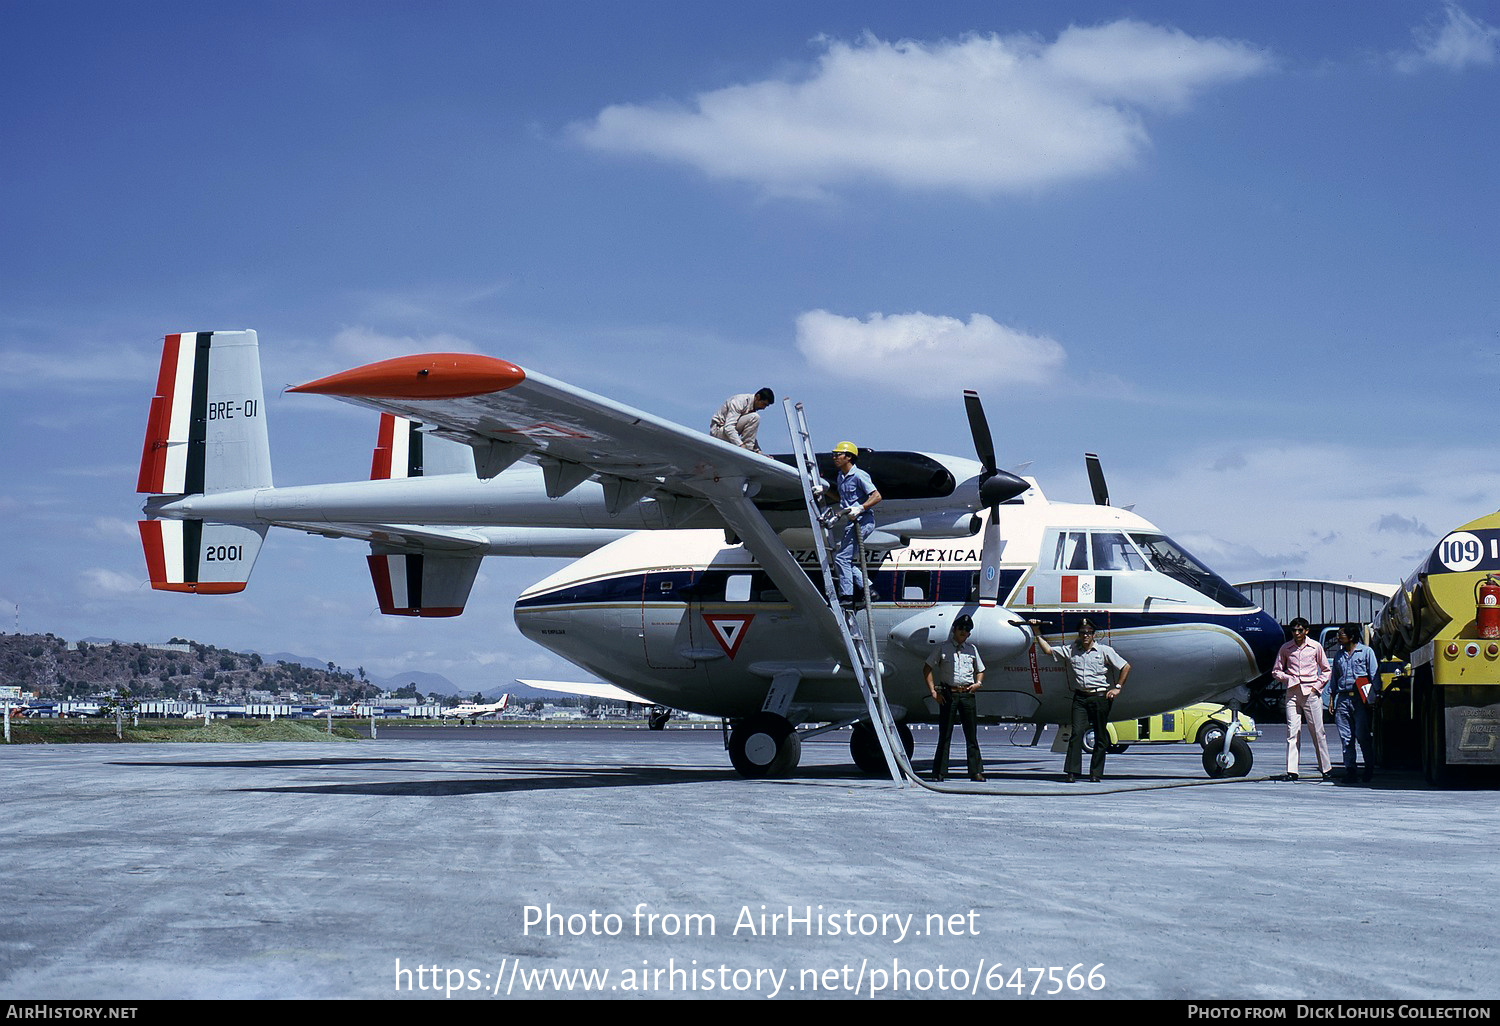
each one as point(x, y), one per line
point(668, 612)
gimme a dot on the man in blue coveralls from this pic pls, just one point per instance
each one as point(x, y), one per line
point(856, 494)
point(1355, 686)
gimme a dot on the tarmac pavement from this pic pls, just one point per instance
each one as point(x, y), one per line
point(507, 862)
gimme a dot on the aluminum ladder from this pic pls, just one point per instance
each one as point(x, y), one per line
point(863, 657)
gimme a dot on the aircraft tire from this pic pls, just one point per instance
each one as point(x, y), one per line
point(864, 747)
point(1240, 759)
point(764, 745)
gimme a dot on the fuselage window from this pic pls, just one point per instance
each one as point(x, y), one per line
point(1072, 551)
point(916, 585)
point(737, 588)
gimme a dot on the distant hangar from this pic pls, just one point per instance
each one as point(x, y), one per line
point(1318, 602)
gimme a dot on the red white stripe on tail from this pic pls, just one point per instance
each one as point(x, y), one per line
point(198, 557)
point(403, 449)
point(422, 584)
point(205, 434)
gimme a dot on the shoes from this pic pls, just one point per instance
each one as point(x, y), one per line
point(1095, 780)
point(1068, 778)
point(978, 778)
point(936, 778)
point(1289, 776)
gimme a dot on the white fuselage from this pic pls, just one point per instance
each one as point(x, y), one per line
point(686, 621)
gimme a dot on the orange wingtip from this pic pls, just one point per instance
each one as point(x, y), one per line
point(430, 376)
point(202, 587)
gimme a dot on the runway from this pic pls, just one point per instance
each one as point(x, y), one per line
point(505, 862)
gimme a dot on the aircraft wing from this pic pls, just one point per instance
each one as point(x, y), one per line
point(588, 690)
point(508, 414)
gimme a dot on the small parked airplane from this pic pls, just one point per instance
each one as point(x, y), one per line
point(692, 589)
point(474, 710)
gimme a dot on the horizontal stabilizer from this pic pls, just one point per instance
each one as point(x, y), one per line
point(206, 430)
point(422, 584)
point(194, 556)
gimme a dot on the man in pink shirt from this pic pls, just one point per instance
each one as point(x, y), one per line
point(1303, 667)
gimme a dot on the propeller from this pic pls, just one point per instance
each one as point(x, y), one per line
point(1096, 479)
point(995, 486)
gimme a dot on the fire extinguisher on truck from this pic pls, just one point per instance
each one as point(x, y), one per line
point(1487, 607)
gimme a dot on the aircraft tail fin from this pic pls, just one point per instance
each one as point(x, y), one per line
point(421, 583)
point(200, 557)
point(206, 432)
point(403, 449)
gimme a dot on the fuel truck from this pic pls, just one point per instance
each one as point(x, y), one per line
point(1444, 622)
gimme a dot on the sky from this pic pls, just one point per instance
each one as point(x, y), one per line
point(1245, 252)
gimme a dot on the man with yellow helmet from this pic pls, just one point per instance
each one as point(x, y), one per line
point(856, 494)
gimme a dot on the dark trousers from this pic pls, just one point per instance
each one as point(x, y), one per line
point(962, 705)
point(1088, 711)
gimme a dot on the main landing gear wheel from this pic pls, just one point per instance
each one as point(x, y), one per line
point(864, 747)
point(1216, 764)
point(764, 745)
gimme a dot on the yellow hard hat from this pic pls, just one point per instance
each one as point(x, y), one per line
point(849, 447)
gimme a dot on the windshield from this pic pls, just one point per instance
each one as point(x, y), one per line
point(1177, 563)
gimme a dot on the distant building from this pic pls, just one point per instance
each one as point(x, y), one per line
point(1318, 602)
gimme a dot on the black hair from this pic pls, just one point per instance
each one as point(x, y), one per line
point(767, 395)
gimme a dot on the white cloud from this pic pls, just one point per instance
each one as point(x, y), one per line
point(923, 355)
point(1459, 41)
point(982, 115)
point(98, 582)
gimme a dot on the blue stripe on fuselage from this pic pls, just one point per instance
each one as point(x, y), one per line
point(1259, 630)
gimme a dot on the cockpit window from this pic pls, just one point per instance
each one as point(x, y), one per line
point(1113, 551)
point(1072, 551)
point(1177, 563)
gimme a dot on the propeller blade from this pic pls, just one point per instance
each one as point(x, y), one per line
point(1096, 479)
point(989, 562)
point(979, 427)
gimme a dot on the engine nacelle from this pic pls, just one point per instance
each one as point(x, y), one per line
point(998, 638)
